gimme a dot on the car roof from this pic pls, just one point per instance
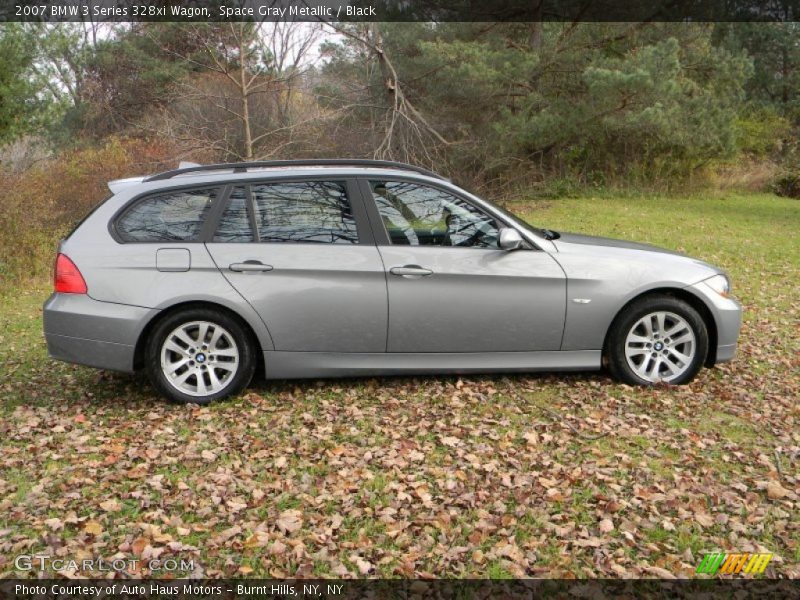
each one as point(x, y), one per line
point(200, 174)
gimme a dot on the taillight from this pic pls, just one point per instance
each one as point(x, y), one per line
point(67, 279)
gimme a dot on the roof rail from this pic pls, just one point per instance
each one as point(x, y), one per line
point(242, 167)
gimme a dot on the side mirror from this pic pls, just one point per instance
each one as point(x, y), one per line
point(510, 239)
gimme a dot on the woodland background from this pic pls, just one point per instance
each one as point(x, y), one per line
point(547, 109)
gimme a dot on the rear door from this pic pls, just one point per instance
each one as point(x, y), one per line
point(451, 288)
point(302, 254)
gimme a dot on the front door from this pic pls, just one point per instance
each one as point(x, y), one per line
point(451, 289)
point(296, 251)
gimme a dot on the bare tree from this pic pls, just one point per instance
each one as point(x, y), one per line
point(239, 102)
point(406, 131)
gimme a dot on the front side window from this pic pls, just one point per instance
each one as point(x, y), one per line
point(311, 211)
point(420, 215)
point(171, 217)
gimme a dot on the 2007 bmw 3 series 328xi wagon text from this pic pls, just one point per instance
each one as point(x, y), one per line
point(325, 268)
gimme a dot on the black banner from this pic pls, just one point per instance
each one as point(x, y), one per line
point(400, 10)
point(376, 589)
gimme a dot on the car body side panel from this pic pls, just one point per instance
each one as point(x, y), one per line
point(317, 297)
point(602, 279)
point(128, 274)
point(475, 300)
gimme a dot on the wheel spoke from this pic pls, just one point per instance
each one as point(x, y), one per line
point(670, 369)
point(630, 352)
point(181, 379)
point(227, 352)
point(676, 328)
point(660, 322)
point(647, 322)
point(685, 360)
point(172, 367)
point(687, 337)
point(201, 333)
point(216, 384)
point(201, 384)
point(637, 339)
point(184, 337)
point(176, 348)
point(216, 334)
point(653, 371)
point(225, 366)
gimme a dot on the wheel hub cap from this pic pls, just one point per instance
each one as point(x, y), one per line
point(660, 346)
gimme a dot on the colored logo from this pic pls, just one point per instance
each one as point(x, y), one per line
point(729, 564)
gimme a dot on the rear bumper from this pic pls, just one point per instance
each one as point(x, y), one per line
point(81, 330)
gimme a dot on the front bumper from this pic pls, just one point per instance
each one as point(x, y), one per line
point(81, 330)
point(727, 314)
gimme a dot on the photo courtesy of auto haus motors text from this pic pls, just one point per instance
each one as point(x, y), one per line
point(168, 589)
point(379, 299)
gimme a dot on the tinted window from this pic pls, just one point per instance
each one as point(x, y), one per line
point(234, 226)
point(173, 217)
point(313, 211)
point(419, 215)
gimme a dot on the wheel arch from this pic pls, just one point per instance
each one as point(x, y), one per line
point(141, 342)
point(692, 300)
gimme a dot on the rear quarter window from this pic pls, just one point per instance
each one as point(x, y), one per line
point(167, 217)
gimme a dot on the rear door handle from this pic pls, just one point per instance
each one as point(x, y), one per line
point(410, 271)
point(250, 266)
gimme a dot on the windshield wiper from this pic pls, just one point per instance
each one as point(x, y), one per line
point(549, 234)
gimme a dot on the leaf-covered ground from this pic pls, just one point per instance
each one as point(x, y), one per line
point(551, 476)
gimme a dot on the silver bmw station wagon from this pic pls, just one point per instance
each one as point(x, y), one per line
point(323, 268)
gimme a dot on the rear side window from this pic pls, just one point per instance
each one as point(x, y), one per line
point(311, 211)
point(172, 217)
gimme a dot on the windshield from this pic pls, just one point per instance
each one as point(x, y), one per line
point(545, 233)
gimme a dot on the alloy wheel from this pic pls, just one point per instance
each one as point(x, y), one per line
point(199, 358)
point(660, 346)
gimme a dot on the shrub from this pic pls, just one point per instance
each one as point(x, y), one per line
point(787, 185)
point(43, 202)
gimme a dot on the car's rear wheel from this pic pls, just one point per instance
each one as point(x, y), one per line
point(199, 355)
point(657, 339)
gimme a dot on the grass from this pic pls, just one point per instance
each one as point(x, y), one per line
point(678, 471)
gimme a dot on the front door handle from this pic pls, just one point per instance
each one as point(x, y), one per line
point(250, 266)
point(410, 271)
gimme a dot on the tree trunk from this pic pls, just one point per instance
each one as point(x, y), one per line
point(245, 92)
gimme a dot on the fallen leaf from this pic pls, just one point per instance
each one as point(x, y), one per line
point(290, 521)
point(111, 506)
point(93, 528)
point(775, 491)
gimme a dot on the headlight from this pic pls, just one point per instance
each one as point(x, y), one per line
point(720, 284)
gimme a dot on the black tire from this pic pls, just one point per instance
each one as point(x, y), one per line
point(242, 338)
point(631, 314)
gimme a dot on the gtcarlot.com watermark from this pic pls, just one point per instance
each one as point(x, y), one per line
point(39, 562)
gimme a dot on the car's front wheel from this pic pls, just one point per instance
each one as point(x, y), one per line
point(199, 355)
point(657, 339)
